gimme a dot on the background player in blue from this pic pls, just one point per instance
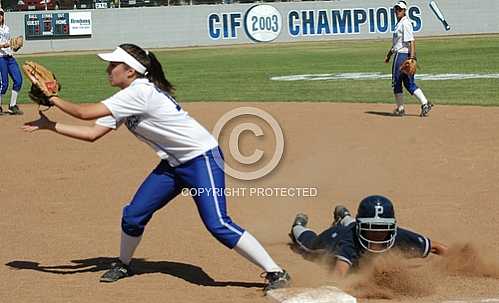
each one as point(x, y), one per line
point(146, 106)
point(8, 66)
point(374, 230)
point(404, 47)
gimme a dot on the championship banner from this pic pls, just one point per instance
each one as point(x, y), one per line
point(265, 22)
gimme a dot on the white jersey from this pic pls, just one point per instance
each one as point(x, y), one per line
point(5, 37)
point(155, 118)
point(402, 35)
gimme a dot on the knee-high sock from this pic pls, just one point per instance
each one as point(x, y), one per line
point(418, 93)
point(13, 98)
point(347, 220)
point(127, 247)
point(298, 230)
point(399, 100)
point(251, 249)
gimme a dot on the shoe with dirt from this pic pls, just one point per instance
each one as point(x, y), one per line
point(399, 112)
point(301, 219)
point(1, 111)
point(14, 110)
point(118, 270)
point(339, 213)
point(425, 109)
point(275, 280)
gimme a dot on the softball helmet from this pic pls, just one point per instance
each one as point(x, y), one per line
point(376, 224)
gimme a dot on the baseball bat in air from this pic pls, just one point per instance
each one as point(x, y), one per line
point(438, 13)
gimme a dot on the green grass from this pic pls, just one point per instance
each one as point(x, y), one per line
point(241, 73)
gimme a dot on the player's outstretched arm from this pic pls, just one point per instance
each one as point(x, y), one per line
point(81, 132)
point(439, 248)
point(81, 111)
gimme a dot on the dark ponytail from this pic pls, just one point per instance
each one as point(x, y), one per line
point(157, 76)
point(154, 71)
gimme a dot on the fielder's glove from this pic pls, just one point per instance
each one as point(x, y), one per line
point(44, 84)
point(408, 67)
point(16, 43)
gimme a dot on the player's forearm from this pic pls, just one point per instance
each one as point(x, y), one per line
point(412, 52)
point(341, 268)
point(80, 132)
point(70, 108)
point(388, 56)
point(439, 248)
point(80, 111)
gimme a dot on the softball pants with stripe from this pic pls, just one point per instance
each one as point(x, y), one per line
point(207, 181)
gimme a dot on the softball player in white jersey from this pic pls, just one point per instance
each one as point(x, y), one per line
point(8, 66)
point(404, 47)
point(146, 106)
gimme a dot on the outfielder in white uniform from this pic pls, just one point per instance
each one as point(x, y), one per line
point(8, 66)
point(404, 47)
point(146, 106)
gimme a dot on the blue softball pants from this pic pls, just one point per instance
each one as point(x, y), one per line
point(204, 178)
point(8, 66)
point(399, 78)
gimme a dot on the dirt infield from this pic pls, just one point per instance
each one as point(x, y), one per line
point(61, 203)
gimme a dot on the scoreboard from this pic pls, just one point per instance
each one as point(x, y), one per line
point(57, 25)
point(39, 26)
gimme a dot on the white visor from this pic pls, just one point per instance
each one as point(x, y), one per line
point(401, 4)
point(120, 55)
